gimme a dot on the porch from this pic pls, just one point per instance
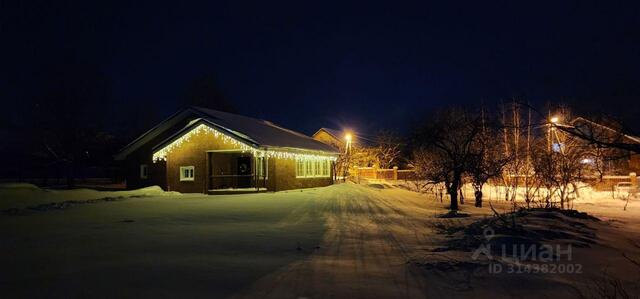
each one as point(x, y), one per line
point(235, 172)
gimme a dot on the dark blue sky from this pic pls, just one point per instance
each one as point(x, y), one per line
point(309, 64)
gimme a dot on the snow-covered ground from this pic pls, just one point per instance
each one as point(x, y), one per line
point(341, 241)
point(22, 195)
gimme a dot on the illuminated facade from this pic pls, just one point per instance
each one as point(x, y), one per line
point(210, 151)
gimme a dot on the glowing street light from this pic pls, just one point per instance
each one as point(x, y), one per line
point(553, 120)
point(348, 137)
point(347, 151)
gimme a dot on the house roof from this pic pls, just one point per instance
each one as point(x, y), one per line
point(577, 124)
point(337, 134)
point(263, 133)
point(164, 126)
point(256, 132)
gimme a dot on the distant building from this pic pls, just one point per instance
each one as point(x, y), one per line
point(360, 152)
point(208, 151)
point(331, 137)
point(620, 161)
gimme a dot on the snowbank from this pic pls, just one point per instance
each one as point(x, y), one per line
point(23, 195)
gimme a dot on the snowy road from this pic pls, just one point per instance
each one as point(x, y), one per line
point(342, 241)
point(371, 236)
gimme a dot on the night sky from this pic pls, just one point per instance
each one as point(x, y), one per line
point(309, 64)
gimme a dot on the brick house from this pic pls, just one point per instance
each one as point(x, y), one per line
point(208, 151)
point(332, 137)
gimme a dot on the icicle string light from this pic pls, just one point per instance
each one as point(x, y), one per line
point(162, 153)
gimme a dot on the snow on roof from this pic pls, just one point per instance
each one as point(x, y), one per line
point(263, 133)
point(165, 125)
point(633, 139)
point(258, 132)
point(333, 132)
point(360, 139)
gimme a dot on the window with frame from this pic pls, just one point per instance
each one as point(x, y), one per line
point(144, 171)
point(318, 168)
point(326, 170)
point(262, 167)
point(300, 168)
point(312, 168)
point(186, 173)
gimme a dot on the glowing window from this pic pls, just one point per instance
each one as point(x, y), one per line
point(186, 173)
point(312, 168)
point(300, 168)
point(261, 167)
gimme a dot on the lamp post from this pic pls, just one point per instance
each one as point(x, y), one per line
point(552, 122)
point(347, 137)
point(347, 152)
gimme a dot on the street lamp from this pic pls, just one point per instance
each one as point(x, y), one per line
point(348, 137)
point(552, 121)
point(347, 152)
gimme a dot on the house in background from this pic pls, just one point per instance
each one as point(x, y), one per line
point(208, 151)
point(619, 161)
point(338, 139)
point(331, 137)
point(356, 150)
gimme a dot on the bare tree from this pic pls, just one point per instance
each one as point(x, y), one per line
point(488, 160)
point(355, 155)
point(446, 149)
point(560, 169)
point(603, 132)
point(69, 116)
point(362, 156)
point(516, 142)
point(388, 148)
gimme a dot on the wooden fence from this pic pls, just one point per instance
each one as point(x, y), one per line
point(606, 183)
point(384, 174)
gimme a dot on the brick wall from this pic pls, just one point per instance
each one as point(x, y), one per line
point(281, 172)
point(286, 177)
point(193, 152)
point(156, 173)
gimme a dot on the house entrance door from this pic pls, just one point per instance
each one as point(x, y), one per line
point(244, 172)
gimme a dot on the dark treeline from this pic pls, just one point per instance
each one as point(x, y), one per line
point(66, 126)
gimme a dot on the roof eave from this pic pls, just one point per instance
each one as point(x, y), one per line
point(194, 124)
point(131, 146)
